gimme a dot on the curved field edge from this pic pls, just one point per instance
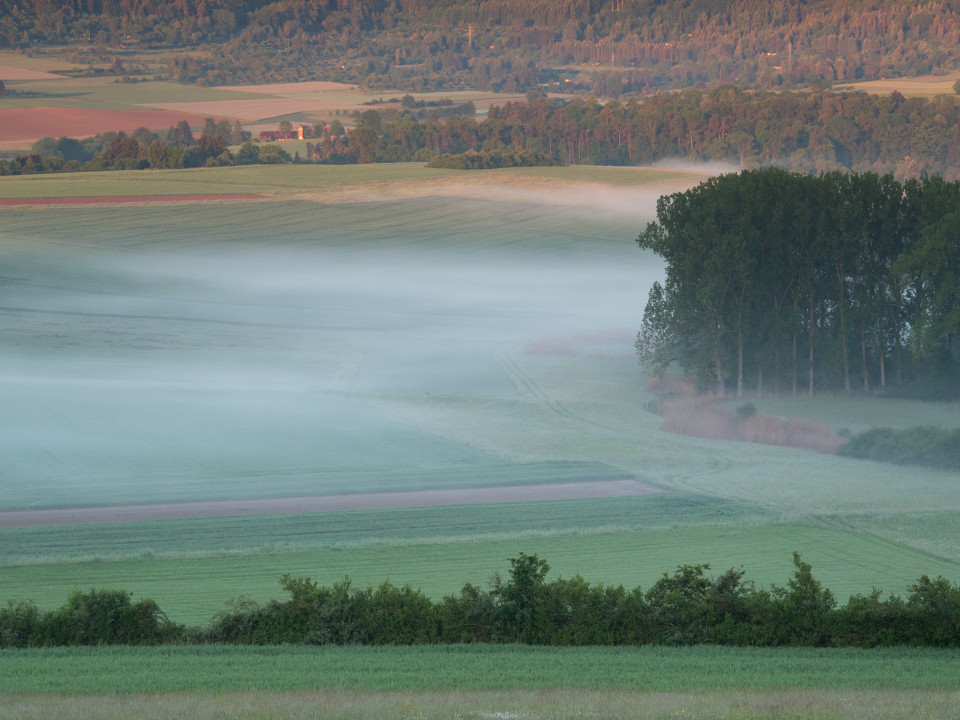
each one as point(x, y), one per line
point(732, 704)
point(326, 182)
point(127, 670)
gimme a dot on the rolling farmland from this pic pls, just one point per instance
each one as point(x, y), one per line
point(419, 343)
point(371, 330)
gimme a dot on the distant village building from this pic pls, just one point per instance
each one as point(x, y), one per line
point(279, 135)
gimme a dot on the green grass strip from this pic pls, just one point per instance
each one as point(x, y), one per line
point(553, 704)
point(466, 667)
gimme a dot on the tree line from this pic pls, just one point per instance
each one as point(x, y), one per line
point(684, 608)
point(811, 132)
point(176, 147)
point(787, 282)
point(510, 45)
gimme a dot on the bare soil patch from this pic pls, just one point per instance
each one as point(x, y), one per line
point(328, 503)
point(580, 343)
point(27, 124)
point(701, 415)
point(132, 199)
point(15, 73)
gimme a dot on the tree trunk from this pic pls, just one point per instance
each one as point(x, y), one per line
point(863, 357)
point(739, 363)
point(843, 334)
point(796, 301)
point(810, 380)
point(720, 380)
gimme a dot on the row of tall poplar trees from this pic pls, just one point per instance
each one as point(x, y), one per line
point(798, 283)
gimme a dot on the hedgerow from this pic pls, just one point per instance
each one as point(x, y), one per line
point(685, 608)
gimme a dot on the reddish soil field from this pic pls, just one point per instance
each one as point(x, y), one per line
point(328, 503)
point(14, 73)
point(127, 199)
point(23, 124)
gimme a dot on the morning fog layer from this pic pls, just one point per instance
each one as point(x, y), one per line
point(288, 349)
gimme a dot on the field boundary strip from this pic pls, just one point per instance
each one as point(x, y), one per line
point(328, 503)
point(127, 199)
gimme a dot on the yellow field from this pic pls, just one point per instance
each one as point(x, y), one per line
point(920, 86)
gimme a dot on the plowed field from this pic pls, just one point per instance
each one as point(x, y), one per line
point(23, 124)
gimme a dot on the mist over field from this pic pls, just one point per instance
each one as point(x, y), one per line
point(390, 336)
point(160, 355)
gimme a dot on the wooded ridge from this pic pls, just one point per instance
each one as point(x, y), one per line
point(628, 45)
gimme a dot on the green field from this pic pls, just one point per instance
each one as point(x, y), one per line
point(478, 682)
point(271, 180)
point(552, 704)
point(419, 340)
point(293, 180)
point(469, 667)
point(101, 93)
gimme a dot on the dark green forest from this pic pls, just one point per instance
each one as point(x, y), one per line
point(783, 282)
point(511, 45)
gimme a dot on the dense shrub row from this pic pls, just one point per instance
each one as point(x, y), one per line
point(685, 608)
point(483, 160)
point(98, 617)
point(931, 446)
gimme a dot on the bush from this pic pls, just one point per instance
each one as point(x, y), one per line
point(745, 411)
point(97, 617)
point(484, 160)
point(924, 445)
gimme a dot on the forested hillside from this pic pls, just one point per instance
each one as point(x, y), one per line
point(626, 45)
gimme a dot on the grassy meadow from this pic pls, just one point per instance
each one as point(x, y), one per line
point(477, 682)
point(470, 668)
point(388, 328)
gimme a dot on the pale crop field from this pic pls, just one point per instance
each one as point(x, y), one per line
point(917, 86)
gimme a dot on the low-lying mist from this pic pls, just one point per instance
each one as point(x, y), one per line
point(262, 359)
